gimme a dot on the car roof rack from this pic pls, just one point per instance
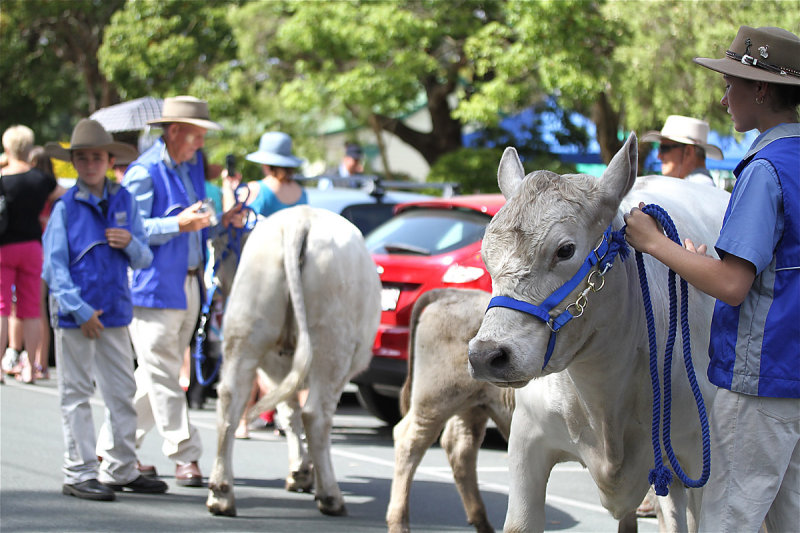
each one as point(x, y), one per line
point(376, 185)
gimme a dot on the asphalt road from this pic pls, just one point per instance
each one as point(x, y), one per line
point(31, 449)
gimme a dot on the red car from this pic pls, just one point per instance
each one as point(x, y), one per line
point(427, 245)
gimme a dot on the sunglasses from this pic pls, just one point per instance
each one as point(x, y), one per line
point(664, 148)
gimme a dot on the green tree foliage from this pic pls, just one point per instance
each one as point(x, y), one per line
point(375, 62)
point(49, 76)
point(161, 48)
point(654, 75)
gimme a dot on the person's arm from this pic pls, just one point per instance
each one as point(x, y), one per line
point(55, 269)
point(161, 229)
point(728, 279)
point(746, 244)
point(158, 229)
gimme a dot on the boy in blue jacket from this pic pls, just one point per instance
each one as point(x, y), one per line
point(94, 234)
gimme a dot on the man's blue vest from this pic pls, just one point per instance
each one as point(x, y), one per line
point(755, 347)
point(161, 284)
point(100, 271)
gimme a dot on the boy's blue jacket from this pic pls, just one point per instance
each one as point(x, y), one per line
point(755, 347)
point(161, 284)
point(98, 273)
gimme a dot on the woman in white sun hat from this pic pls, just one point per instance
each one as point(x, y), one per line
point(755, 333)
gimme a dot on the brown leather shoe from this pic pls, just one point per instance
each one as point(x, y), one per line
point(188, 475)
point(146, 470)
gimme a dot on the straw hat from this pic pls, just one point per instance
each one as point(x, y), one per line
point(762, 54)
point(89, 133)
point(275, 149)
point(187, 110)
point(685, 130)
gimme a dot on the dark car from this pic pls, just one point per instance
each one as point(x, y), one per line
point(427, 245)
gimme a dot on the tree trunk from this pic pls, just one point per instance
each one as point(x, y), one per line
point(445, 135)
point(606, 121)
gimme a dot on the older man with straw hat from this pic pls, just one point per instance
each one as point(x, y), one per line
point(168, 181)
point(683, 147)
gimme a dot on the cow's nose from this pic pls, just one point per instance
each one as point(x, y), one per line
point(488, 360)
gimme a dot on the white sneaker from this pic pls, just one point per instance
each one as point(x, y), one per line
point(10, 360)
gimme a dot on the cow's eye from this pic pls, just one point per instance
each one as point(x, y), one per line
point(566, 251)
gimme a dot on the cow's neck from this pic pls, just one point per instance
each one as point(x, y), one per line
point(609, 382)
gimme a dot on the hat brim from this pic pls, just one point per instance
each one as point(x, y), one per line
point(714, 152)
point(207, 124)
point(276, 160)
point(740, 70)
point(117, 149)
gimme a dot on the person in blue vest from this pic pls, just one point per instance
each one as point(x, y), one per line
point(755, 332)
point(168, 182)
point(94, 234)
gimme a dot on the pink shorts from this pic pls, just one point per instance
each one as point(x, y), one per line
point(21, 268)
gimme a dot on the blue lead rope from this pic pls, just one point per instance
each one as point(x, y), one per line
point(234, 245)
point(660, 476)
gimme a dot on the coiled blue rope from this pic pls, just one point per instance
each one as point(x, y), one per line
point(660, 476)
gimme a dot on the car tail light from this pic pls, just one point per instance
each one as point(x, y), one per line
point(462, 274)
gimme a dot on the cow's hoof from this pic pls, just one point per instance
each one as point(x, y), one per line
point(300, 481)
point(331, 506)
point(218, 510)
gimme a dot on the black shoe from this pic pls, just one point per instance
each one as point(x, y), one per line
point(91, 489)
point(143, 484)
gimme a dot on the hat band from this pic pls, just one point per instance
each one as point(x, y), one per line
point(754, 62)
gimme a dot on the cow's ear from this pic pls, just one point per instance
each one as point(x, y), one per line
point(510, 173)
point(618, 178)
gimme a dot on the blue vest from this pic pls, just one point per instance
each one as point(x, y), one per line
point(755, 347)
point(100, 271)
point(161, 284)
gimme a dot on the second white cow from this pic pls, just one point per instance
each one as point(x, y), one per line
point(592, 400)
point(303, 309)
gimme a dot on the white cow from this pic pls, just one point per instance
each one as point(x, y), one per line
point(592, 401)
point(303, 309)
point(439, 393)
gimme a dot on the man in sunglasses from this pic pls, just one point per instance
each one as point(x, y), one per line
point(683, 147)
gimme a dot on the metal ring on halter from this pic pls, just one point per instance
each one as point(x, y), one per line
point(591, 283)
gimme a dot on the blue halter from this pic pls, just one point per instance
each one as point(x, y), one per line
point(611, 245)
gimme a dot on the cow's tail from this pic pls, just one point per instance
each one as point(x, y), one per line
point(422, 302)
point(294, 253)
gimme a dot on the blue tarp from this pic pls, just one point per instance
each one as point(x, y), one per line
point(519, 127)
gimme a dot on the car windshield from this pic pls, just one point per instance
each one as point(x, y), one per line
point(368, 216)
point(426, 231)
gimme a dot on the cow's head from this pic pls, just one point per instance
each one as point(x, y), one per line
point(533, 245)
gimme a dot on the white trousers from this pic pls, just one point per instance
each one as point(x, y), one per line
point(755, 465)
point(108, 361)
point(160, 338)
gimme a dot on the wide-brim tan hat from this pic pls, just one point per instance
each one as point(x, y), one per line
point(187, 110)
point(89, 133)
point(762, 54)
point(685, 130)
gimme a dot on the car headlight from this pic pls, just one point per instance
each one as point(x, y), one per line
point(462, 274)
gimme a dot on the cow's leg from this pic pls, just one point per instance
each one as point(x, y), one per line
point(529, 462)
point(673, 508)
point(317, 416)
point(413, 435)
point(628, 523)
point(236, 380)
point(300, 477)
point(461, 440)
